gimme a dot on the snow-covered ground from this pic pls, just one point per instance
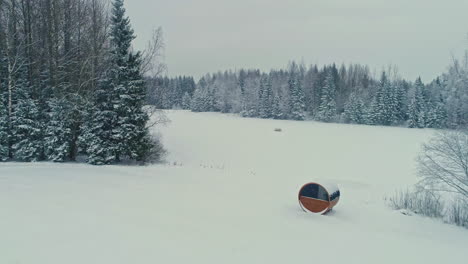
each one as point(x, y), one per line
point(227, 195)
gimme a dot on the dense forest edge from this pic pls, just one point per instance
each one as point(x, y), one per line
point(344, 94)
point(71, 85)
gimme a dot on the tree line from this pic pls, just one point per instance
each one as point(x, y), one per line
point(70, 83)
point(347, 94)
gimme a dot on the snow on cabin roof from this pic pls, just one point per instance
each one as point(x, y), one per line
point(331, 187)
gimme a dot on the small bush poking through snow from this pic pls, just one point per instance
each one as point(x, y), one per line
point(420, 202)
point(458, 213)
point(278, 130)
point(431, 204)
point(157, 151)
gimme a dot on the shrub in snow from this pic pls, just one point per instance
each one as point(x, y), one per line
point(458, 212)
point(431, 204)
point(157, 152)
point(420, 202)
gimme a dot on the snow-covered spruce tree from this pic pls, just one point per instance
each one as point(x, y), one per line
point(116, 126)
point(276, 111)
point(327, 109)
point(131, 136)
point(174, 95)
point(395, 104)
point(4, 130)
point(265, 98)
point(27, 128)
point(268, 100)
point(354, 110)
point(417, 106)
point(400, 98)
point(453, 86)
point(371, 115)
point(96, 139)
point(261, 91)
point(437, 115)
point(213, 100)
point(250, 97)
point(296, 98)
point(58, 133)
point(186, 101)
point(384, 108)
point(198, 100)
point(101, 138)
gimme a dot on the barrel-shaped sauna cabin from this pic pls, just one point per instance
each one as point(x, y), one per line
point(318, 198)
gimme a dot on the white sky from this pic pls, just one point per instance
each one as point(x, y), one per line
point(419, 36)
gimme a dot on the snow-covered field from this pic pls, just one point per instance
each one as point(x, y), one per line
point(228, 194)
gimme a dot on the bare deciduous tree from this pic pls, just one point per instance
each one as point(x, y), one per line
point(443, 164)
point(152, 62)
point(153, 67)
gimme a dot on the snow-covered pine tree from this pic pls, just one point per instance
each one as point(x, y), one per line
point(261, 112)
point(383, 108)
point(265, 98)
point(354, 110)
point(212, 100)
point(417, 106)
point(28, 132)
point(58, 133)
point(296, 98)
point(199, 100)
point(454, 88)
point(4, 130)
point(131, 135)
point(400, 97)
point(250, 96)
point(176, 93)
point(133, 121)
point(102, 136)
point(101, 119)
point(327, 109)
point(186, 101)
point(392, 108)
point(268, 100)
point(276, 111)
point(413, 114)
point(372, 113)
point(436, 116)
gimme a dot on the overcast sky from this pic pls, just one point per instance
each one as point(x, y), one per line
point(419, 36)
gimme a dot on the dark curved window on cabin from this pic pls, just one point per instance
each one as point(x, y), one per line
point(314, 191)
point(334, 195)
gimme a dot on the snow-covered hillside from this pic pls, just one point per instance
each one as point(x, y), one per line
point(228, 194)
